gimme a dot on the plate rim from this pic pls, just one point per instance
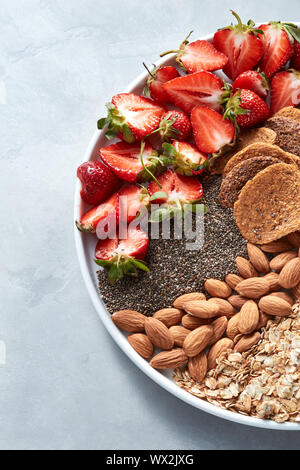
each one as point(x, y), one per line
point(121, 340)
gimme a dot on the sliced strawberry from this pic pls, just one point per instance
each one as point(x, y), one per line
point(211, 131)
point(155, 81)
point(199, 55)
point(254, 81)
point(132, 199)
point(107, 212)
point(131, 117)
point(186, 158)
point(98, 182)
point(285, 90)
point(278, 40)
point(295, 63)
point(247, 109)
point(178, 188)
point(123, 257)
point(167, 183)
point(197, 89)
point(125, 160)
point(175, 125)
point(241, 45)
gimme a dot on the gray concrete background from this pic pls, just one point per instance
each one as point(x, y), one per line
point(66, 385)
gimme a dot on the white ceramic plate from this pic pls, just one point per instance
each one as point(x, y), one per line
point(85, 245)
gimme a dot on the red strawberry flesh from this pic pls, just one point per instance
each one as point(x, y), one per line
point(107, 211)
point(201, 55)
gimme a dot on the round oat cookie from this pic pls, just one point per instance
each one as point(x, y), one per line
point(259, 150)
point(233, 183)
point(268, 207)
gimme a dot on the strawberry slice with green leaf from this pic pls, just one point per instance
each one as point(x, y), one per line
point(278, 45)
point(105, 213)
point(123, 257)
point(198, 55)
point(131, 117)
point(197, 89)
point(285, 90)
point(212, 132)
point(241, 44)
point(133, 198)
point(185, 158)
point(125, 161)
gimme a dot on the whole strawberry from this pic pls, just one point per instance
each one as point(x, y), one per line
point(254, 81)
point(175, 125)
point(246, 109)
point(154, 85)
point(98, 182)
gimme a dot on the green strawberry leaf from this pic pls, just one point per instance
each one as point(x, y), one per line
point(158, 195)
point(102, 123)
point(111, 134)
point(140, 265)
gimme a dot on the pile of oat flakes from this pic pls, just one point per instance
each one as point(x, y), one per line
point(263, 382)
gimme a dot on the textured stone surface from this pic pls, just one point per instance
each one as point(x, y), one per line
point(66, 385)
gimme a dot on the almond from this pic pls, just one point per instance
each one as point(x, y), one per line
point(263, 320)
point(294, 239)
point(217, 288)
point(296, 291)
point(169, 359)
point(219, 326)
point(253, 288)
point(273, 280)
point(237, 301)
point(179, 334)
point(276, 306)
point(279, 246)
point(225, 308)
point(284, 296)
point(247, 342)
point(216, 350)
point(233, 327)
point(245, 268)
point(280, 261)
point(129, 320)
point(142, 345)
point(258, 258)
point(198, 340)
point(233, 280)
point(179, 303)
point(197, 367)
point(202, 308)
point(289, 276)
point(191, 323)
point(248, 317)
point(169, 316)
point(159, 334)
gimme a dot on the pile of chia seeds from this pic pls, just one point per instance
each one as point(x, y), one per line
point(174, 270)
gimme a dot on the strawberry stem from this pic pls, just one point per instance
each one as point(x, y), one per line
point(240, 25)
point(148, 70)
point(144, 166)
point(169, 52)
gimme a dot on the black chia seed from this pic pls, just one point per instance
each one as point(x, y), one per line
point(176, 270)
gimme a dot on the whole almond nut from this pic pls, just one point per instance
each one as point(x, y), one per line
point(225, 308)
point(169, 359)
point(284, 296)
point(129, 320)
point(233, 327)
point(179, 334)
point(219, 326)
point(179, 303)
point(216, 350)
point(198, 340)
point(245, 268)
point(159, 334)
point(202, 308)
point(289, 276)
point(237, 301)
point(275, 306)
point(296, 291)
point(191, 323)
point(141, 344)
point(233, 280)
point(294, 239)
point(248, 318)
point(253, 288)
point(247, 342)
point(197, 367)
point(280, 261)
point(169, 316)
point(217, 288)
point(263, 320)
point(258, 259)
point(273, 280)
point(279, 246)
